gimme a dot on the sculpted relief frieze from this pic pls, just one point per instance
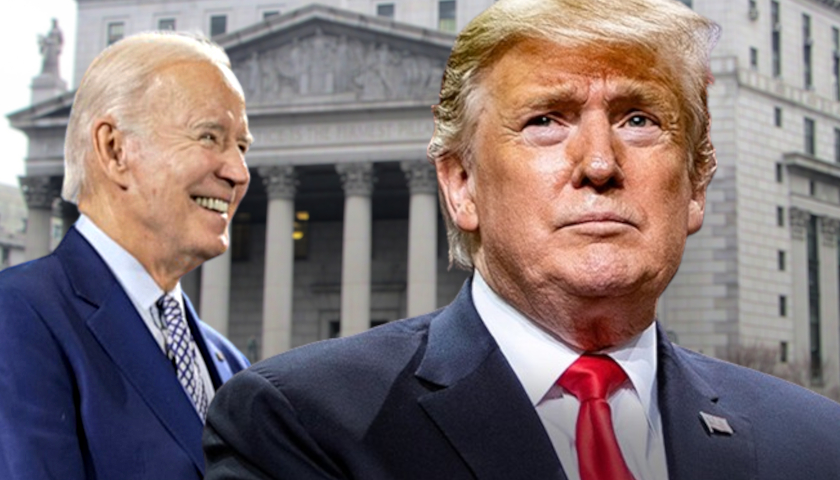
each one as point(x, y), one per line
point(346, 68)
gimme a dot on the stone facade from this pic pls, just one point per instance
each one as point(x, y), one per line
point(338, 100)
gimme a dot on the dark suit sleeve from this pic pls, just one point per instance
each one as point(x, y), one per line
point(253, 432)
point(38, 438)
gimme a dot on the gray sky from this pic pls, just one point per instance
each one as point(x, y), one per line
point(21, 61)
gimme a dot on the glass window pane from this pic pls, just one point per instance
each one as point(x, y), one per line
point(218, 25)
point(166, 24)
point(116, 31)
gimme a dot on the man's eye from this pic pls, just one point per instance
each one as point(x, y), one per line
point(209, 137)
point(638, 121)
point(540, 121)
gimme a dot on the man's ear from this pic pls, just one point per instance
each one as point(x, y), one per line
point(697, 204)
point(109, 151)
point(696, 209)
point(457, 192)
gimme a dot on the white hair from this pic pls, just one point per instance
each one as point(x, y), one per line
point(112, 86)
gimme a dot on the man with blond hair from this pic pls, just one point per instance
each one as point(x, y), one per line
point(573, 155)
point(106, 372)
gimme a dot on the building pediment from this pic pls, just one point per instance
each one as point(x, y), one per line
point(53, 112)
point(324, 56)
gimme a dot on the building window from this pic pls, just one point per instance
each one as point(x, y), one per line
point(385, 10)
point(780, 175)
point(782, 306)
point(218, 25)
point(116, 32)
point(166, 24)
point(777, 116)
point(446, 16)
point(300, 235)
point(783, 352)
point(776, 40)
point(807, 43)
point(781, 259)
point(814, 300)
point(835, 57)
point(271, 13)
point(837, 145)
point(780, 216)
point(810, 137)
point(812, 188)
point(754, 58)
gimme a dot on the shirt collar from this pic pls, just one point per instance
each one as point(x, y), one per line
point(538, 359)
point(135, 280)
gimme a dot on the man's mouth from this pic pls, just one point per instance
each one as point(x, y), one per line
point(215, 204)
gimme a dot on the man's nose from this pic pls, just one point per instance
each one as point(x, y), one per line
point(233, 168)
point(593, 149)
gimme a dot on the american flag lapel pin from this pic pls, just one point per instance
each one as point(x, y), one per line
point(715, 424)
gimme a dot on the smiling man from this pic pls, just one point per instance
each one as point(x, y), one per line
point(105, 370)
point(573, 155)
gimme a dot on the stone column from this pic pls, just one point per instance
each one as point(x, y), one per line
point(278, 286)
point(215, 292)
point(422, 237)
point(829, 308)
point(39, 192)
point(357, 179)
point(798, 300)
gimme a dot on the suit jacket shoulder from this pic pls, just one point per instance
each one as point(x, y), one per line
point(779, 430)
point(77, 361)
point(427, 397)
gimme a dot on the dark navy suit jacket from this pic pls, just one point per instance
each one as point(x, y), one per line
point(433, 398)
point(85, 391)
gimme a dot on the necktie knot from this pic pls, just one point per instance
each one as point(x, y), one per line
point(169, 309)
point(592, 377)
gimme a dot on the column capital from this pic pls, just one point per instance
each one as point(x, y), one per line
point(421, 176)
point(40, 192)
point(798, 222)
point(356, 178)
point(280, 181)
point(829, 230)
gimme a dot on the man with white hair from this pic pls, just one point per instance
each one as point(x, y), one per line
point(106, 372)
point(573, 154)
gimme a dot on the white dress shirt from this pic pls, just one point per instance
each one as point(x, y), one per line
point(140, 288)
point(539, 359)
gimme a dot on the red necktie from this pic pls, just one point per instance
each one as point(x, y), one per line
point(591, 379)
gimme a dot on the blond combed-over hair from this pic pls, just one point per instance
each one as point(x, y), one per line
point(113, 86)
point(680, 40)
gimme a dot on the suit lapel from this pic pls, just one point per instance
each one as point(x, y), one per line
point(209, 353)
point(693, 451)
point(481, 407)
point(122, 334)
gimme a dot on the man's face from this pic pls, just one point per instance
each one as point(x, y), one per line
point(187, 162)
point(578, 185)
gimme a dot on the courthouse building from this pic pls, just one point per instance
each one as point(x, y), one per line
point(340, 229)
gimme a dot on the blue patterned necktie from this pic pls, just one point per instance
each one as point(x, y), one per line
point(181, 350)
